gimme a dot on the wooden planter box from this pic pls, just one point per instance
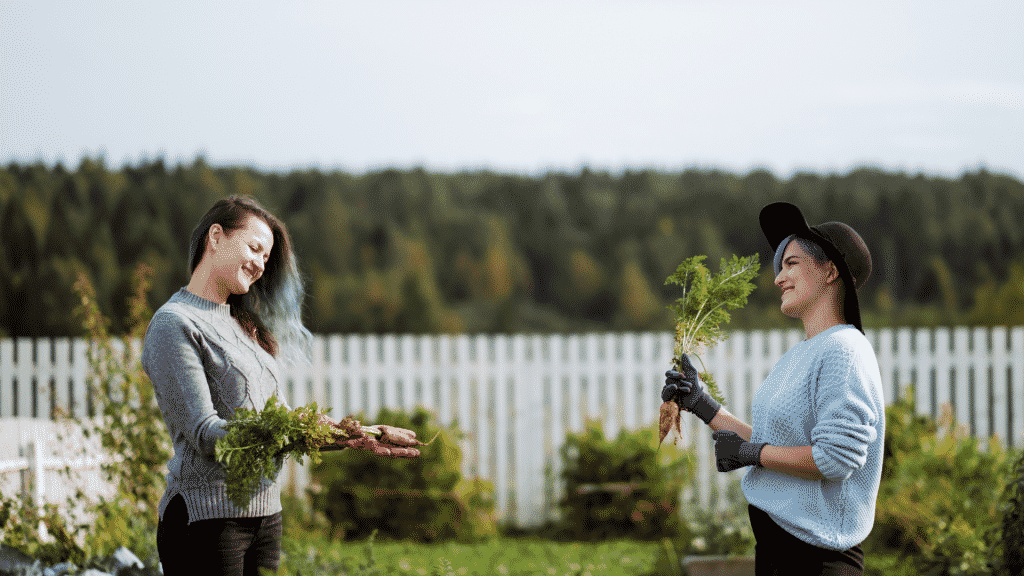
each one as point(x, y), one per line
point(719, 565)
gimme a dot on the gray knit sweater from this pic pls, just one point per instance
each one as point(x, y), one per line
point(203, 367)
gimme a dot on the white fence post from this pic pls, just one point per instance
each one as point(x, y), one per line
point(6, 378)
point(1016, 392)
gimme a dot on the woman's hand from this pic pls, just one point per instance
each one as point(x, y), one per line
point(686, 390)
point(732, 452)
point(378, 447)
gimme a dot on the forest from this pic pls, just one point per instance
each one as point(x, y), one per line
point(413, 251)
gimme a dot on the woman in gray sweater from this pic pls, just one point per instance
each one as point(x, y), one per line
point(217, 345)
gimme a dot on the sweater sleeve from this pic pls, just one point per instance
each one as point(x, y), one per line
point(846, 421)
point(172, 358)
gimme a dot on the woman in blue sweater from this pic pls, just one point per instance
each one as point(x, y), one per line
point(815, 443)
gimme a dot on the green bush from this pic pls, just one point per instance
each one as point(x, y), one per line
point(128, 422)
point(424, 499)
point(1010, 549)
point(939, 500)
point(618, 488)
point(721, 532)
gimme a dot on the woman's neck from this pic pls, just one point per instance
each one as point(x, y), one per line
point(822, 318)
point(202, 284)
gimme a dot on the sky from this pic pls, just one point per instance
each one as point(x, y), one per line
point(928, 86)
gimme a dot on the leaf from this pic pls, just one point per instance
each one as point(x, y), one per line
point(257, 439)
point(705, 304)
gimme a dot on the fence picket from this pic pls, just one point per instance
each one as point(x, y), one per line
point(962, 368)
point(42, 401)
point(443, 358)
point(62, 385)
point(80, 392)
point(1016, 392)
point(943, 384)
point(981, 387)
point(651, 377)
point(921, 366)
point(1000, 408)
point(7, 368)
point(557, 422)
point(24, 376)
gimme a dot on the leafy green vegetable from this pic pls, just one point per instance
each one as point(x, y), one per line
point(258, 441)
point(705, 305)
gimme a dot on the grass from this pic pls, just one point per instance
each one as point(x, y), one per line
point(498, 556)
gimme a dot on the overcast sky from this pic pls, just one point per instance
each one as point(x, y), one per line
point(920, 85)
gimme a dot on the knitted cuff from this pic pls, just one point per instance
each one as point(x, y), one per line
point(706, 407)
point(750, 453)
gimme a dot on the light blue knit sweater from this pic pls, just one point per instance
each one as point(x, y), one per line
point(825, 392)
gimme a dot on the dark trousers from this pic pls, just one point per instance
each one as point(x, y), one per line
point(778, 552)
point(229, 546)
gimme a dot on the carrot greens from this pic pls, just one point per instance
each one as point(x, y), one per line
point(705, 304)
point(258, 441)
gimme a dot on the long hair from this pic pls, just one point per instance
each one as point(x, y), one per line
point(271, 311)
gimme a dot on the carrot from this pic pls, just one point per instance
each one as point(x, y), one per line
point(400, 436)
point(668, 422)
point(380, 448)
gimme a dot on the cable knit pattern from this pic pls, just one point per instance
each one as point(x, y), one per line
point(825, 392)
point(203, 367)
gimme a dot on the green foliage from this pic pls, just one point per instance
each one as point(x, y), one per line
point(128, 423)
point(1010, 550)
point(424, 498)
point(939, 500)
point(411, 251)
point(1001, 303)
point(705, 304)
point(20, 522)
point(717, 532)
point(257, 442)
point(127, 418)
point(619, 488)
point(314, 554)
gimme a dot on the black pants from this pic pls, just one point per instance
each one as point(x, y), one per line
point(778, 552)
point(229, 546)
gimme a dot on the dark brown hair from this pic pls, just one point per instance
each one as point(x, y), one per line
point(272, 306)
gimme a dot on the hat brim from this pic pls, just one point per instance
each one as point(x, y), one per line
point(780, 220)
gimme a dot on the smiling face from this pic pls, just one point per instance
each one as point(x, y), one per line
point(807, 285)
point(240, 255)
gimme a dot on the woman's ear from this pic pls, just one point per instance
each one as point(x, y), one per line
point(833, 273)
point(214, 236)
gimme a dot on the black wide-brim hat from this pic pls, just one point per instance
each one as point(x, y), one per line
point(841, 244)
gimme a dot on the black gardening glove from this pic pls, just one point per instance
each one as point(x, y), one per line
point(732, 452)
point(688, 392)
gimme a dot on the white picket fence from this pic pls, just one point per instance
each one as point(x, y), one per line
point(516, 397)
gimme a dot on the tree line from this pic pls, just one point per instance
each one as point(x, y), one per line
point(413, 251)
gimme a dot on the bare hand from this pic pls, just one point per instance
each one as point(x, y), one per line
point(379, 447)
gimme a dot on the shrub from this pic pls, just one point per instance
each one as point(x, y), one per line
point(1009, 553)
point(130, 427)
point(129, 423)
point(618, 488)
point(424, 499)
point(939, 499)
point(721, 532)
